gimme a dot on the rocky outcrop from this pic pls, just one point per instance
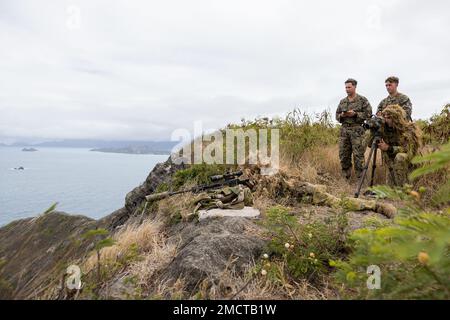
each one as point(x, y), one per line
point(34, 252)
point(162, 173)
point(209, 247)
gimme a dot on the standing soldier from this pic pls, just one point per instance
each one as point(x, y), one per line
point(395, 98)
point(351, 113)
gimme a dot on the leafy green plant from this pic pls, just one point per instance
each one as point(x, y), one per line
point(413, 254)
point(50, 209)
point(437, 130)
point(306, 248)
point(438, 161)
point(299, 131)
point(100, 242)
point(197, 174)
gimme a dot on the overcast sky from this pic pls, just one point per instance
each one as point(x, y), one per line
point(131, 69)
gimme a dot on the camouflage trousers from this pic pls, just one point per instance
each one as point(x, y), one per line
point(351, 141)
point(398, 168)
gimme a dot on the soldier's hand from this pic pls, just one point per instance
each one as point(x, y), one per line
point(351, 113)
point(383, 146)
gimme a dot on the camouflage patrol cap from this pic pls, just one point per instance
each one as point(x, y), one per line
point(352, 81)
point(392, 80)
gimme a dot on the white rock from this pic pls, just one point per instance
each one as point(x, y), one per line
point(247, 212)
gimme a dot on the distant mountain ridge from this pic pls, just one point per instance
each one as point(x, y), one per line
point(134, 150)
point(161, 146)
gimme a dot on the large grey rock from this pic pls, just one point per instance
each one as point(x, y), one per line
point(208, 246)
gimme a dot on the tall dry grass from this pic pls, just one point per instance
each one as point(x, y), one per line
point(145, 240)
point(322, 166)
point(248, 285)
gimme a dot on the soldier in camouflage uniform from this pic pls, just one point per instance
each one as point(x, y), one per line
point(236, 197)
point(395, 97)
point(351, 113)
point(400, 142)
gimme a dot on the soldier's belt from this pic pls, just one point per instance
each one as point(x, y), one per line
point(351, 125)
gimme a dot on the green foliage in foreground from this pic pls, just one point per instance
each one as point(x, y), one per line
point(438, 161)
point(413, 254)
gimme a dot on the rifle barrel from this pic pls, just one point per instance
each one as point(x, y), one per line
point(199, 188)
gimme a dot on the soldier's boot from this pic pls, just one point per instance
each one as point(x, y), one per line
point(347, 173)
point(358, 174)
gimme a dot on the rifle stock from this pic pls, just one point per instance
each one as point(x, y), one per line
point(158, 196)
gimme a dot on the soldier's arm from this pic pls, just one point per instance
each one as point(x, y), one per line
point(393, 150)
point(401, 148)
point(380, 106)
point(407, 106)
point(338, 112)
point(365, 113)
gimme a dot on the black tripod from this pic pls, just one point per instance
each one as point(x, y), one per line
point(373, 157)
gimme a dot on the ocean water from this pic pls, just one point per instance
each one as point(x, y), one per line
point(84, 182)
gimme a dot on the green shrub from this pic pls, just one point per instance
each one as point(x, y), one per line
point(413, 254)
point(437, 129)
point(197, 174)
point(305, 248)
point(299, 131)
point(436, 162)
point(100, 239)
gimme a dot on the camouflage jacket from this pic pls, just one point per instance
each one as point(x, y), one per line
point(399, 143)
point(225, 198)
point(400, 99)
point(360, 105)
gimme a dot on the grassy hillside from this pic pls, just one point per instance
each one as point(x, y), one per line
point(313, 240)
point(311, 251)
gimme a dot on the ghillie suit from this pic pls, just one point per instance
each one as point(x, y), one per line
point(399, 99)
point(404, 140)
point(226, 198)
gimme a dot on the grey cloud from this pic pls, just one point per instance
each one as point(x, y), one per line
point(140, 69)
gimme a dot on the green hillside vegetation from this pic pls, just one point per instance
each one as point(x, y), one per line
point(313, 252)
point(313, 241)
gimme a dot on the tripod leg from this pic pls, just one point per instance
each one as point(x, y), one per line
point(374, 165)
point(366, 167)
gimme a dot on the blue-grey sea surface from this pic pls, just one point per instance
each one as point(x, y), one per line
point(81, 181)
